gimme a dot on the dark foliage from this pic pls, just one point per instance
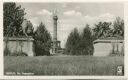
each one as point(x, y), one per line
point(18, 54)
point(13, 18)
point(86, 43)
point(118, 27)
point(42, 40)
point(102, 29)
point(72, 43)
point(109, 29)
point(80, 44)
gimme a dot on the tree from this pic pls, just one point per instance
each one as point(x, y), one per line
point(72, 42)
point(80, 44)
point(13, 18)
point(86, 42)
point(102, 29)
point(118, 26)
point(42, 40)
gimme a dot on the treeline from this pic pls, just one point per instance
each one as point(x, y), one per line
point(82, 43)
point(109, 29)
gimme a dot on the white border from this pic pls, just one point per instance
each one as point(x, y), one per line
point(64, 77)
point(126, 37)
point(1, 38)
point(65, 1)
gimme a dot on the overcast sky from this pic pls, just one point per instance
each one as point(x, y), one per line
point(71, 15)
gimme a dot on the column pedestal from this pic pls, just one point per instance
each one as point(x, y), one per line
point(55, 47)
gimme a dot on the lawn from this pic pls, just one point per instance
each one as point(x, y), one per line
point(63, 65)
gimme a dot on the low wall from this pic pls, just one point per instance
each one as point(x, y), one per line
point(15, 45)
point(107, 48)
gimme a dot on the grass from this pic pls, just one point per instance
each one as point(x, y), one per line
point(63, 65)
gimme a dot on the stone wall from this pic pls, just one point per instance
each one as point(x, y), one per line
point(15, 45)
point(106, 48)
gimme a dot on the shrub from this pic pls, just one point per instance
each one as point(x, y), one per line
point(18, 54)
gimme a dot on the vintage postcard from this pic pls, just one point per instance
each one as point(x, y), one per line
point(63, 39)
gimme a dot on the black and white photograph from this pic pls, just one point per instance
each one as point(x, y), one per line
point(63, 38)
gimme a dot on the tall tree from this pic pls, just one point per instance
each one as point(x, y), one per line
point(42, 40)
point(13, 18)
point(80, 44)
point(118, 27)
point(72, 42)
point(102, 29)
point(86, 42)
